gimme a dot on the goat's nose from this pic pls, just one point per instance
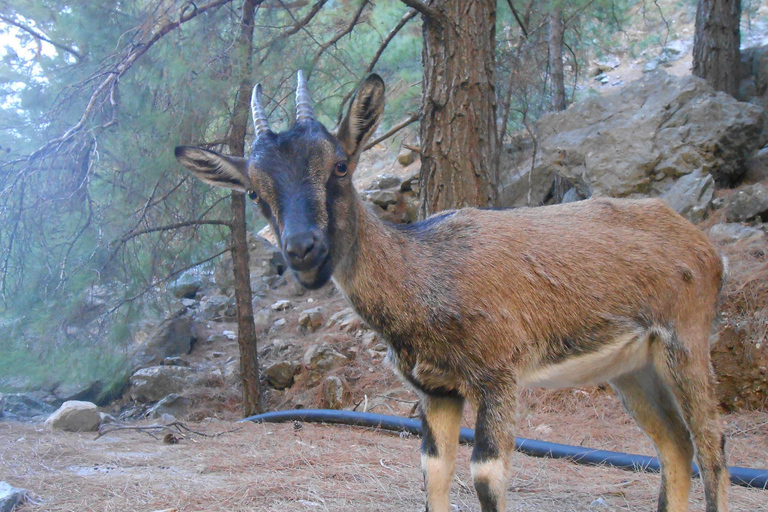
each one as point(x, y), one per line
point(298, 246)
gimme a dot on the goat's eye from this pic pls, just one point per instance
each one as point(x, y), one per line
point(340, 169)
point(253, 195)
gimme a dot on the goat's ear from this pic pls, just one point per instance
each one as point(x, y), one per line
point(362, 117)
point(214, 168)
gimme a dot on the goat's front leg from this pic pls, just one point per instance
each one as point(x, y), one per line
point(494, 442)
point(441, 422)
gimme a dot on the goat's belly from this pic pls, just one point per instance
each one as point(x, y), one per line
point(623, 355)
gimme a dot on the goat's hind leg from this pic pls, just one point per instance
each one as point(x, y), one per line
point(687, 372)
point(441, 420)
point(494, 442)
point(649, 401)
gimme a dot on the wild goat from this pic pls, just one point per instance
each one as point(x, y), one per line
point(476, 303)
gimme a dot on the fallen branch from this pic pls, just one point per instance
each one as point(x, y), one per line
point(175, 427)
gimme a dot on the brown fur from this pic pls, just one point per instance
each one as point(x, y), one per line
point(477, 303)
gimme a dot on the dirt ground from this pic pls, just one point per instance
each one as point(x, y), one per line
point(338, 468)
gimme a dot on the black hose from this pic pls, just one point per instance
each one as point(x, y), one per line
point(747, 477)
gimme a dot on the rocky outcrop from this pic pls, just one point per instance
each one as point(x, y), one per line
point(75, 416)
point(640, 140)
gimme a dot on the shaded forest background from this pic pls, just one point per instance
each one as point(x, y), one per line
point(96, 217)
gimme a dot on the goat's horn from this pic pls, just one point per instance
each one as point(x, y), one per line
point(304, 110)
point(260, 123)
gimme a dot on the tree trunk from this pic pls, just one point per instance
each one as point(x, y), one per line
point(556, 31)
point(459, 146)
point(716, 44)
point(246, 330)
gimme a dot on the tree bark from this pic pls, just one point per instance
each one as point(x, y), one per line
point(556, 31)
point(246, 329)
point(716, 43)
point(459, 145)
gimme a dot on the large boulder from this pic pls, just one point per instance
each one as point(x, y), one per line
point(640, 140)
point(75, 416)
point(691, 195)
point(173, 337)
point(156, 382)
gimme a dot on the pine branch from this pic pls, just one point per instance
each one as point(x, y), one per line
point(41, 37)
point(413, 118)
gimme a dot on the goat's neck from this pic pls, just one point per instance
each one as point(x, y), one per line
point(373, 267)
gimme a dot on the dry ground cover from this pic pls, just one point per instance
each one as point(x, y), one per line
point(340, 468)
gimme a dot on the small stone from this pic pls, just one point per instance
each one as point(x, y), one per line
point(407, 157)
point(385, 181)
point(280, 322)
point(599, 502)
point(281, 305)
point(311, 319)
point(10, 497)
point(231, 335)
point(334, 392)
point(369, 338)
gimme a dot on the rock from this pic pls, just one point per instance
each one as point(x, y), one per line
point(10, 497)
point(346, 320)
point(369, 338)
point(324, 357)
point(186, 286)
point(748, 203)
point(381, 198)
point(280, 375)
point(75, 416)
point(334, 392)
point(281, 305)
point(261, 320)
point(156, 382)
point(384, 181)
point(311, 319)
point(173, 404)
point(407, 157)
point(691, 195)
point(572, 196)
point(599, 502)
point(25, 407)
point(230, 335)
point(217, 307)
point(639, 140)
point(279, 322)
point(85, 391)
point(733, 232)
point(264, 259)
point(173, 337)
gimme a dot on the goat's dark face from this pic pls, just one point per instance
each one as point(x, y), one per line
point(301, 180)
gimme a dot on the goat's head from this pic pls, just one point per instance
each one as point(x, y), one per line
point(301, 179)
